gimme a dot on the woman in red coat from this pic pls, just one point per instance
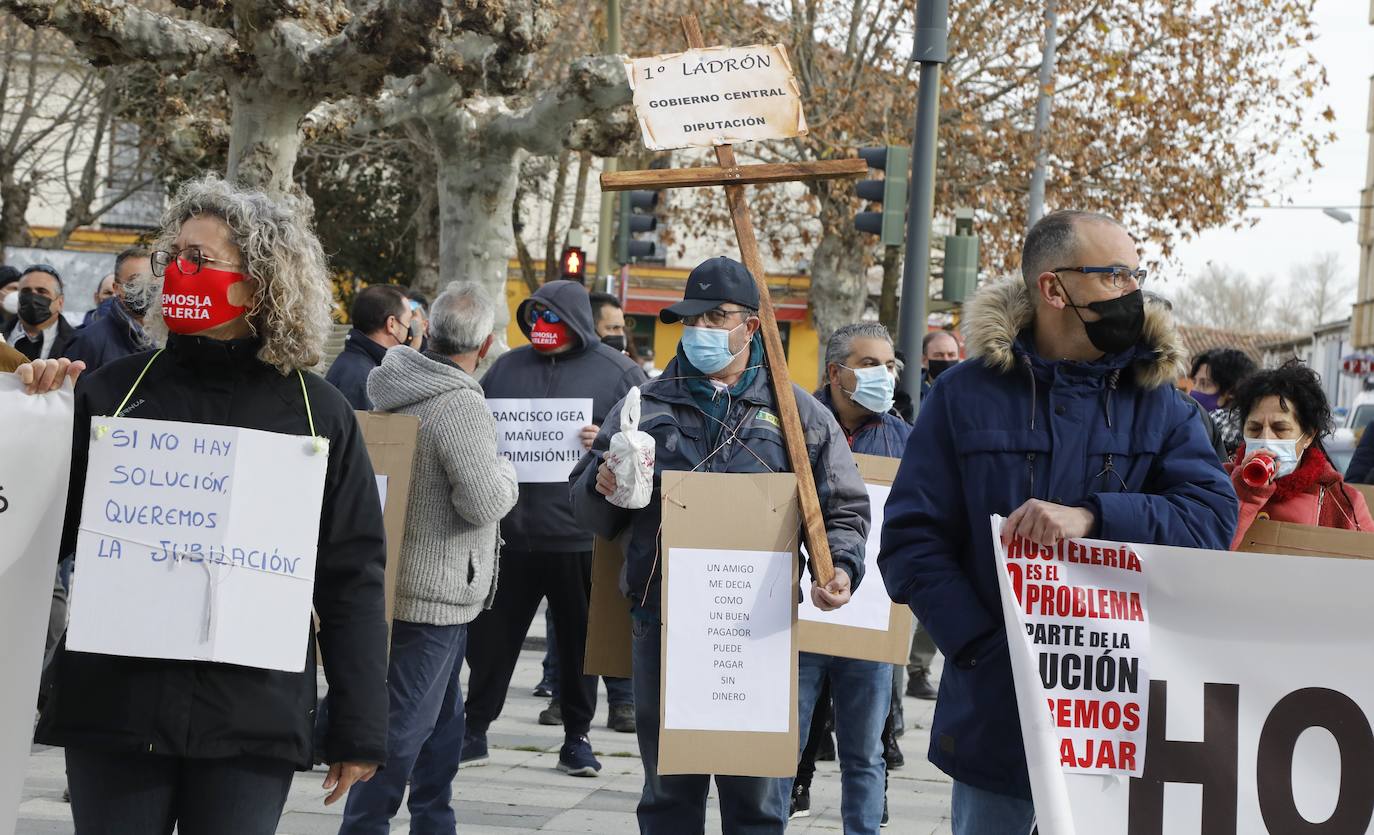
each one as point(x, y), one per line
point(1283, 472)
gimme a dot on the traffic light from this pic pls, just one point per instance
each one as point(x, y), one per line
point(961, 259)
point(890, 223)
point(637, 217)
point(573, 264)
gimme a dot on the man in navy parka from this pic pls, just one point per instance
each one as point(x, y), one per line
point(1066, 422)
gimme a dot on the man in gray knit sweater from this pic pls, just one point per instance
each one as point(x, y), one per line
point(460, 490)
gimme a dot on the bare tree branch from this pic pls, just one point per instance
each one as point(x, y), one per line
point(114, 32)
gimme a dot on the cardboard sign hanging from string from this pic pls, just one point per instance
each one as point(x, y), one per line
point(729, 673)
point(870, 627)
point(198, 543)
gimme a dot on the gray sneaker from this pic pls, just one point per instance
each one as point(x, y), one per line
point(553, 714)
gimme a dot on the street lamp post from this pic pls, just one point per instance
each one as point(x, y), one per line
point(932, 50)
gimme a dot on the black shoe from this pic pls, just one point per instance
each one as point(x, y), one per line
point(801, 802)
point(544, 689)
point(885, 820)
point(919, 687)
point(577, 759)
point(553, 714)
point(826, 753)
point(621, 719)
point(892, 754)
point(474, 751)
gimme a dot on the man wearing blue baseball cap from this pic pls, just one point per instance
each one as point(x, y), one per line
point(713, 410)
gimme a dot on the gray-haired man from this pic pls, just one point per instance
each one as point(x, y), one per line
point(460, 490)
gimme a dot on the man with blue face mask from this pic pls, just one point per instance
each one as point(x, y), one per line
point(861, 373)
point(713, 410)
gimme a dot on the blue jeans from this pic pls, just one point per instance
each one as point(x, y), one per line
point(618, 690)
point(135, 793)
point(424, 734)
point(862, 692)
point(979, 812)
point(676, 804)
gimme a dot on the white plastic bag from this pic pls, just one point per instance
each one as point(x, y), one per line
point(631, 458)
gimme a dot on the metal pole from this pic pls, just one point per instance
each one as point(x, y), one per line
point(932, 50)
point(605, 236)
point(1036, 209)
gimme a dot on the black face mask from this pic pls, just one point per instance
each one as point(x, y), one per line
point(1123, 320)
point(138, 311)
point(937, 367)
point(33, 308)
point(615, 340)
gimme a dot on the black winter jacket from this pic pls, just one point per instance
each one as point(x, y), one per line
point(349, 372)
point(210, 710)
point(109, 335)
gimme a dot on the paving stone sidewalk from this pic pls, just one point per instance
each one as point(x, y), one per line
point(521, 790)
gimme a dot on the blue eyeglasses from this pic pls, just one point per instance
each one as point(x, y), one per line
point(547, 315)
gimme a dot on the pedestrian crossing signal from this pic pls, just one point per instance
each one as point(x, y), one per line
point(573, 264)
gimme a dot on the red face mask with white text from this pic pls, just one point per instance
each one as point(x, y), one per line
point(548, 336)
point(198, 301)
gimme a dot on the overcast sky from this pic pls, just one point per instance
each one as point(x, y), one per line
point(1285, 237)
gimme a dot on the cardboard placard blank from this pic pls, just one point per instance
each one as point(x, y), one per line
point(391, 443)
point(891, 646)
point(609, 650)
point(1266, 536)
point(729, 511)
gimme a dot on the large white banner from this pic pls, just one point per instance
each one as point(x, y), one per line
point(1257, 713)
point(197, 542)
point(35, 464)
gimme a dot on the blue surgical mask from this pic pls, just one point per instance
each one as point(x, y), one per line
point(1285, 453)
point(708, 349)
point(873, 389)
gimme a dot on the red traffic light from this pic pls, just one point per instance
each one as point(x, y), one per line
point(573, 264)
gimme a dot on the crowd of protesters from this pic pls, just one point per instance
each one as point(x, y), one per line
point(1060, 409)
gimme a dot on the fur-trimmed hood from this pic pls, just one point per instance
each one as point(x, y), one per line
point(1000, 311)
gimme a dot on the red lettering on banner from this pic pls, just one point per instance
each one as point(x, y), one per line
point(1079, 602)
point(1097, 753)
point(1093, 713)
point(1121, 556)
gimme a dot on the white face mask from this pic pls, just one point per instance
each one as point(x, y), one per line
point(1285, 453)
point(11, 304)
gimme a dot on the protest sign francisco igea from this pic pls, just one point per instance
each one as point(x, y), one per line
point(541, 436)
point(1244, 696)
point(197, 542)
point(716, 96)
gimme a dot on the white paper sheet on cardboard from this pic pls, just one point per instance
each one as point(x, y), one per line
point(197, 542)
point(729, 636)
point(870, 607)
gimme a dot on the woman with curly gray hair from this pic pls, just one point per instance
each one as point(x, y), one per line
point(210, 747)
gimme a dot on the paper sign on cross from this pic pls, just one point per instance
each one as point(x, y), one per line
point(734, 178)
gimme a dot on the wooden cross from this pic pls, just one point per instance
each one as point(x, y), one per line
point(735, 177)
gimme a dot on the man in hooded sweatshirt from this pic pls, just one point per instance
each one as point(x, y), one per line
point(1076, 432)
point(460, 489)
point(546, 552)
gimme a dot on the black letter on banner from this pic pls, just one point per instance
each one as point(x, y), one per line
point(1211, 763)
point(1316, 707)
